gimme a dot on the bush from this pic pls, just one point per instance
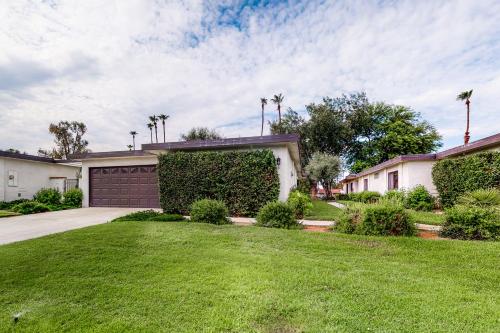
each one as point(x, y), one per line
point(277, 214)
point(73, 198)
point(30, 207)
point(243, 180)
point(468, 222)
point(209, 211)
point(150, 215)
point(379, 219)
point(455, 177)
point(395, 196)
point(49, 196)
point(365, 196)
point(301, 203)
point(419, 199)
point(481, 198)
point(4, 205)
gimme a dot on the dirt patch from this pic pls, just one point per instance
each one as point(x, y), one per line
point(428, 234)
point(316, 228)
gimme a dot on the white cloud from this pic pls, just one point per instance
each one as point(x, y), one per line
point(111, 64)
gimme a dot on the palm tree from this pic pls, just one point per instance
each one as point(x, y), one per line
point(278, 99)
point(263, 101)
point(133, 133)
point(130, 147)
point(163, 117)
point(154, 121)
point(150, 126)
point(465, 96)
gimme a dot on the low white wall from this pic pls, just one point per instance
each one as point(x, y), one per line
point(287, 170)
point(31, 177)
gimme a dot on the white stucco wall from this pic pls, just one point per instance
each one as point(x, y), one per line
point(287, 169)
point(32, 176)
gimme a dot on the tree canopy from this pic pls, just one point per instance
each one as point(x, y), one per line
point(325, 169)
point(201, 133)
point(68, 139)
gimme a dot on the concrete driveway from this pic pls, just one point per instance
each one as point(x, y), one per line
point(18, 228)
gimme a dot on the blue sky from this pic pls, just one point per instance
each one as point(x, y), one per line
point(113, 63)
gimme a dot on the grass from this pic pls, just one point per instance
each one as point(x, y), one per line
point(188, 277)
point(419, 216)
point(323, 211)
point(6, 213)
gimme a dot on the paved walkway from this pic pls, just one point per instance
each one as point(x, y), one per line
point(18, 228)
point(337, 204)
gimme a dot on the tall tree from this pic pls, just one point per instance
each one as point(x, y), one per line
point(154, 121)
point(200, 133)
point(68, 139)
point(465, 96)
point(130, 147)
point(263, 102)
point(278, 99)
point(133, 133)
point(150, 126)
point(163, 117)
point(325, 169)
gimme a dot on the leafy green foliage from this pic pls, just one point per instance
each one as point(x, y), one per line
point(454, 177)
point(73, 198)
point(325, 169)
point(469, 222)
point(277, 214)
point(481, 198)
point(301, 203)
point(10, 204)
point(30, 207)
point(365, 196)
point(209, 211)
point(419, 198)
point(243, 180)
point(395, 196)
point(379, 219)
point(48, 196)
point(68, 137)
point(201, 133)
point(150, 215)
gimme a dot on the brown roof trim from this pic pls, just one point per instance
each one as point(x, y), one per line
point(490, 141)
point(109, 154)
point(223, 143)
point(27, 157)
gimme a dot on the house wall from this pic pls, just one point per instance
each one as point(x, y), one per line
point(31, 177)
point(287, 170)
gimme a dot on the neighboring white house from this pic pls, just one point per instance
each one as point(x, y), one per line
point(22, 175)
point(129, 178)
point(408, 171)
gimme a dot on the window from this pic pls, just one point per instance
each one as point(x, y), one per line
point(12, 178)
point(392, 180)
point(352, 187)
point(365, 184)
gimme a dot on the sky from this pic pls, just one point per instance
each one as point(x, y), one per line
point(113, 63)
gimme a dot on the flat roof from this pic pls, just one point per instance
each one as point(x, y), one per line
point(28, 157)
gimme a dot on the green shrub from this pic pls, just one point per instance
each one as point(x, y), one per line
point(30, 207)
point(349, 220)
point(277, 214)
point(468, 222)
point(455, 177)
point(301, 203)
point(419, 198)
point(243, 180)
point(6, 205)
point(209, 211)
point(386, 220)
point(395, 196)
point(167, 218)
point(48, 196)
point(365, 196)
point(73, 198)
point(481, 198)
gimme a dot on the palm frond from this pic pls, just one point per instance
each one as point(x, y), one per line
point(465, 95)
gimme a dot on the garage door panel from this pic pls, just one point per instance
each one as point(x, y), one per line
point(125, 186)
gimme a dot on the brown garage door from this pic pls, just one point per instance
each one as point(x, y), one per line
point(127, 186)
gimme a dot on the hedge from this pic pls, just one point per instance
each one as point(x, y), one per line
point(454, 177)
point(244, 180)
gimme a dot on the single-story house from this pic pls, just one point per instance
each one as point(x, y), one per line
point(22, 175)
point(408, 171)
point(129, 178)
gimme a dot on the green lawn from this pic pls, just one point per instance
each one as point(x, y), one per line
point(323, 211)
point(186, 277)
point(419, 216)
point(6, 213)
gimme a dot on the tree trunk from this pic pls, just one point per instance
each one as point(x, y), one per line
point(156, 133)
point(133, 140)
point(279, 115)
point(467, 136)
point(262, 125)
point(163, 123)
point(151, 131)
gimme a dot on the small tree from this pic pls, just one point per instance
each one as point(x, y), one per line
point(68, 137)
point(200, 133)
point(325, 169)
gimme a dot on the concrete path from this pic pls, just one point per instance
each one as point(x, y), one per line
point(337, 204)
point(18, 228)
